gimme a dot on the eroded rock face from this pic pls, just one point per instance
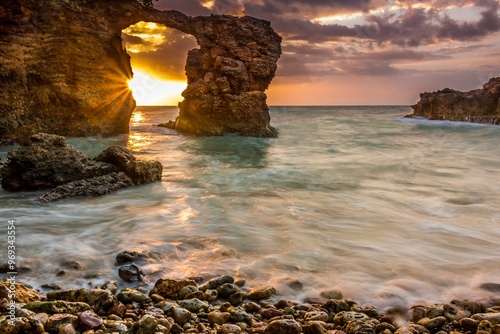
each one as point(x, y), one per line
point(47, 161)
point(477, 106)
point(63, 69)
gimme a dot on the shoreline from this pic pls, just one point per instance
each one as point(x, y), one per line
point(226, 305)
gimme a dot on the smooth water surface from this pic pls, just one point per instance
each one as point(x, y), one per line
point(390, 211)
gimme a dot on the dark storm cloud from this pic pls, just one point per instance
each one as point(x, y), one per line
point(372, 47)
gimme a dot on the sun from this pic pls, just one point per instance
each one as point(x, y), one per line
point(149, 90)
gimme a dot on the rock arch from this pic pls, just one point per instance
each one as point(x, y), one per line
point(63, 69)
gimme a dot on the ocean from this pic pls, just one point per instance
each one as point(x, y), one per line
point(388, 210)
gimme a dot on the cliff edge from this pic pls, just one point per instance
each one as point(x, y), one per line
point(476, 106)
point(64, 70)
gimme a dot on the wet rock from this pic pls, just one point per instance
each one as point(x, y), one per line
point(47, 161)
point(139, 171)
point(91, 187)
point(23, 293)
point(51, 286)
point(118, 309)
point(435, 310)
point(210, 295)
point(484, 327)
point(57, 320)
point(261, 293)
point(111, 286)
point(188, 290)
point(130, 295)
point(145, 325)
point(218, 318)
point(90, 320)
point(383, 326)
point(468, 324)
point(214, 283)
point(237, 298)
point(314, 327)
point(284, 326)
point(331, 294)
point(115, 327)
point(229, 329)
point(454, 313)
point(227, 289)
point(433, 323)
point(98, 299)
point(240, 316)
point(169, 288)
point(494, 318)
point(412, 329)
point(193, 305)
point(180, 315)
point(67, 329)
point(471, 306)
point(252, 307)
point(359, 327)
point(53, 307)
point(495, 329)
point(491, 287)
point(344, 317)
point(270, 313)
point(130, 273)
point(316, 316)
point(417, 313)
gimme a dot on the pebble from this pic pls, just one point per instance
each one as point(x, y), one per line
point(261, 293)
point(169, 288)
point(180, 315)
point(433, 323)
point(214, 283)
point(130, 295)
point(331, 294)
point(229, 329)
point(90, 320)
point(494, 318)
point(218, 318)
point(284, 326)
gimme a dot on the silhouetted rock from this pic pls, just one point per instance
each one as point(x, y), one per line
point(47, 161)
point(139, 171)
point(476, 106)
point(64, 69)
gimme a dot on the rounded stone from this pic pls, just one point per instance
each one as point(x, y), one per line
point(218, 318)
point(284, 326)
point(261, 293)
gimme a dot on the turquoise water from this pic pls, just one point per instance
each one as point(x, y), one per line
point(390, 211)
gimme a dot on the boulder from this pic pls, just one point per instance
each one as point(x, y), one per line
point(46, 161)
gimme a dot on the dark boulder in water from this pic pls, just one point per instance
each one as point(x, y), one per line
point(476, 106)
point(47, 161)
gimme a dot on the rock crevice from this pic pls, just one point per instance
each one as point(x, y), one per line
point(63, 69)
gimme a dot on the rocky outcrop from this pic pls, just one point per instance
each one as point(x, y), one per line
point(63, 69)
point(477, 106)
point(47, 161)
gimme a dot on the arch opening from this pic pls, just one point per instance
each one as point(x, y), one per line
point(158, 56)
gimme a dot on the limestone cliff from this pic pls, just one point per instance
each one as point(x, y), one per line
point(63, 69)
point(477, 106)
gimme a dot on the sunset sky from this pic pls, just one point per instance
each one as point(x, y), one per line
point(338, 52)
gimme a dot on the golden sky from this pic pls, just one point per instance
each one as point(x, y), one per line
point(338, 52)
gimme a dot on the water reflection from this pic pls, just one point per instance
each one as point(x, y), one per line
point(233, 150)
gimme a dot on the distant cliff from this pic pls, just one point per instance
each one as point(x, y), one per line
point(63, 69)
point(477, 106)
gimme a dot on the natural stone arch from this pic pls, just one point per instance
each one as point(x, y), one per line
point(64, 69)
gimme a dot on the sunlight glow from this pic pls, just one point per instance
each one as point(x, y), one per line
point(150, 36)
point(149, 90)
point(208, 4)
